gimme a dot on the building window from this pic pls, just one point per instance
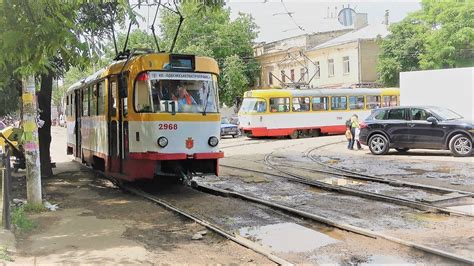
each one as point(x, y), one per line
point(345, 65)
point(318, 70)
point(292, 72)
point(270, 78)
point(331, 67)
point(302, 72)
point(283, 77)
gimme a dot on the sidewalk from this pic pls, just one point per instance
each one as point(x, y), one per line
point(7, 241)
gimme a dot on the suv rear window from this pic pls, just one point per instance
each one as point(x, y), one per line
point(396, 114)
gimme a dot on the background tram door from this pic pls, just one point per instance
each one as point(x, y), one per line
point(114, 127)
point(77, 124)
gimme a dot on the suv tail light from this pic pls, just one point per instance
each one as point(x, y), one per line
point(362, 125)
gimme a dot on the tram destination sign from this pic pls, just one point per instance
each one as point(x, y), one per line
point(180, 76)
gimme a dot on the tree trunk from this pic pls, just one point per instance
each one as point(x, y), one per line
point(44, 102)
point(30, 143)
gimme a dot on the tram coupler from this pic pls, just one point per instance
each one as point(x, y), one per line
point(186, 177)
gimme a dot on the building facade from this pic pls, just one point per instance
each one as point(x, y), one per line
point(284, 62)
point(339, 58)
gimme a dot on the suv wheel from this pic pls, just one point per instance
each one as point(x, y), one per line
point(378, 144)
point(460, 145)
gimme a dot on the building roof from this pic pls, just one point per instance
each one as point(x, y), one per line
point(366, 33)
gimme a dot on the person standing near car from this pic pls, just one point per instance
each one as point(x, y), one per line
point(355, 130)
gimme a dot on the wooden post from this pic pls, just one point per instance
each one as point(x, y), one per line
point(30, 142)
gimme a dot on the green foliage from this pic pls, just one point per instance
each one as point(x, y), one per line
point(5, 255)
point(209, 31)
point(34, 208)
point(234, 79)
point(440, 35)
point(20, 220)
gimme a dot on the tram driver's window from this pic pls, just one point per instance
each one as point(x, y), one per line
point(278, 105)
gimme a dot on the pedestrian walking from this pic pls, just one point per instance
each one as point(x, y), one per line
point(355, 130)
point(348, 137)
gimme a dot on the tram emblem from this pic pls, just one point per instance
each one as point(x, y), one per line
point(189, 143)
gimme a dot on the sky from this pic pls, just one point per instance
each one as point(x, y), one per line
point(309, 15)
point(312, 15)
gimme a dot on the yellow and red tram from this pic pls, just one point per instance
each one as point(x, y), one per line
point(153, 114)
point(310, 112)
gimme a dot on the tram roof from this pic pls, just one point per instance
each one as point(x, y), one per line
point(146, 62)
point(315, 92)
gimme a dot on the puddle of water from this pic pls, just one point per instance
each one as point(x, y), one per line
point(384, 260)
point(342, 181)
point(464, 208)
point(287, 237)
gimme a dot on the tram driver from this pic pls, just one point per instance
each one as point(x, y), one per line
point(185, 100)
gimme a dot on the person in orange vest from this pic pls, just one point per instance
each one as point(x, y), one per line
point(184, 98)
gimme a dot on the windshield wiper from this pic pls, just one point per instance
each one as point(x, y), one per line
point(207, 100)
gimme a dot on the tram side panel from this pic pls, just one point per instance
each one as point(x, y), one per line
point(284, 124)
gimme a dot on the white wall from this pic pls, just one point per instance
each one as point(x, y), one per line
point(450, 88)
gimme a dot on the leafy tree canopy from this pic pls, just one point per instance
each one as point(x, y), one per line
point(440, 35)
point(209, 31)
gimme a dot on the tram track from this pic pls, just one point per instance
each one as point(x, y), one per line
point(278, 207)
point(209, 225)
point(343, 226)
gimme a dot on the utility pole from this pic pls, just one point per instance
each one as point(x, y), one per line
point(30, 142)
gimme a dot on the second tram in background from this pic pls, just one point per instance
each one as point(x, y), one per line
point(308, 112)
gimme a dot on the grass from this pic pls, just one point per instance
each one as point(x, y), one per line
point(4, 255)
point(34, 208)
point(20, 220)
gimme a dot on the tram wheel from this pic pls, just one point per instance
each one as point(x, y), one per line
point(294, 134)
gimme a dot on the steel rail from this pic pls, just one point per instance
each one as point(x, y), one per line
point(239, 240)
point(346, 227)
point(354, 192)
point(356, 175)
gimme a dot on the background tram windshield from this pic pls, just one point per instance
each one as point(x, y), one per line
point(164, 92)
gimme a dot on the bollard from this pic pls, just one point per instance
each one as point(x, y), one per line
point(6, 187)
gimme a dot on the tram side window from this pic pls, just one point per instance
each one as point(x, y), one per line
point(113, 98)
point(372, 101)
point(320, 104)
point(278, 105)
point(72, 111)
point(338, 103)
point(85, 102)
point(101, 98)
point(391, 100)
point(356, 102)
point(93, 97)
point(143, 96)
point(300, 104)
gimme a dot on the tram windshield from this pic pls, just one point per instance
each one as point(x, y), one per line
point(176, 92)
point(253, 105)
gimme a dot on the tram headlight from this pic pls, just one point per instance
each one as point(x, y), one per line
point(162, 142)
point(213, 141)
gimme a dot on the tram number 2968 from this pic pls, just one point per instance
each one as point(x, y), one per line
point(167, 126)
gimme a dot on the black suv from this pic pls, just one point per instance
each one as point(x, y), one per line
point(424, 127)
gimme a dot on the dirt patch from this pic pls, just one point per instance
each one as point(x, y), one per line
point(100, 224)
